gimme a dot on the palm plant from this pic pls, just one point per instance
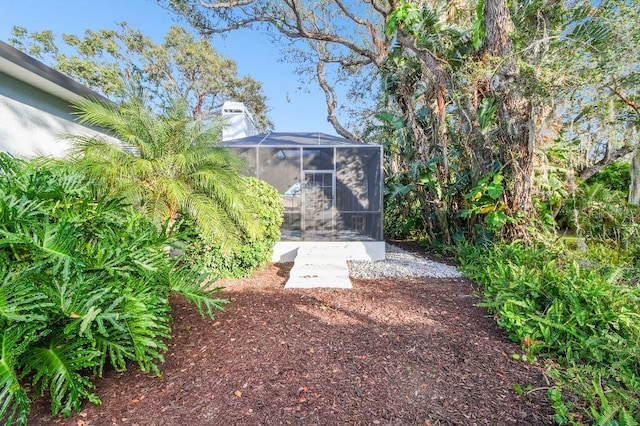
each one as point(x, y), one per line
point(169, 165)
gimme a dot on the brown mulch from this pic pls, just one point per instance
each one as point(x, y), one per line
point(388, 352)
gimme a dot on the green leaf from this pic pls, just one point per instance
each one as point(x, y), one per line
point(198, 289)
point(57, 367)
point(400, 189)
point(404, 16)
point(478, 27)
point(20, 299)
point(496, 219)
point(146, 320)
point(88, 318)
point(14, 403)
point(495, 191)
point(397, 122)
point(487, 113)
point(465, 213)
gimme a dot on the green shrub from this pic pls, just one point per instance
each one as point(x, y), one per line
point(243, 259)
point(84, 282)
point(615, 176)
point(596, 211)
point(581, 313)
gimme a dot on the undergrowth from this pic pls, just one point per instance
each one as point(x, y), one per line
point(579, 310)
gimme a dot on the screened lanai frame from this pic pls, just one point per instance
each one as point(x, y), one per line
point(331, 187)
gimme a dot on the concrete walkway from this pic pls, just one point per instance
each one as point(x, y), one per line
point(316, 266)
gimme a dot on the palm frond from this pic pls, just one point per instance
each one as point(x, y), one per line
point(198, 289)
point(117, 120)
point(217, 226)
point(170, 160)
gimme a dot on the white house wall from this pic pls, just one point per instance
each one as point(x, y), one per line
point(33, 122)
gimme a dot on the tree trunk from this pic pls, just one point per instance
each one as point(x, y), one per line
point(514, 109)
point(634, 188)
point(443, 137)
point(405, 102)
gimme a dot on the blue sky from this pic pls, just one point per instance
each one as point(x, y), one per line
point(291, 108)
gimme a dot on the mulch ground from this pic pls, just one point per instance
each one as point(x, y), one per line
point(388, 352)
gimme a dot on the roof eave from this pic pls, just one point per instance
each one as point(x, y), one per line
point(33, 72)
point(295, 139)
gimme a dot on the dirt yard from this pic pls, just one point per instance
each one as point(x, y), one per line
point(388, 352)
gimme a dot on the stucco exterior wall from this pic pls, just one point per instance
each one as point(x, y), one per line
point(34, 122)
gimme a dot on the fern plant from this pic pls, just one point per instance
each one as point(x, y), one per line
point(584, 316)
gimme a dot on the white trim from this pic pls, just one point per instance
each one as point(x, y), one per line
point(286, 251)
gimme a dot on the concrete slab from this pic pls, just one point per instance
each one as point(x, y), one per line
point(286, 251)
point(326, 270)
point(319, 267)
point(318, 282)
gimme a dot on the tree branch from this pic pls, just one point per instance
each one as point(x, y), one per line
point(225, 4)
point(624, 99)
point(332, 102)
point(336, 32)
point(466, 111)
point(433, 64)
point(611, 157)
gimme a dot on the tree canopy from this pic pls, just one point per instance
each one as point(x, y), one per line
point(340, 44)
point(182, 66)
point(477, 87)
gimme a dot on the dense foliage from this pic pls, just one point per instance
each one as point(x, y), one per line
point(477, 86)
point(572, 298)
point(577, 309)
point(614, 177)
point(243, 258)
point(84, 283)
point(169, 165)
point(493, 114)
point(499, 120)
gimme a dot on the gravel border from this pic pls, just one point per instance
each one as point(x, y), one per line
point(401, 263)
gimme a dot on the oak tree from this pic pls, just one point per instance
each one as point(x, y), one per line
point(182, 66)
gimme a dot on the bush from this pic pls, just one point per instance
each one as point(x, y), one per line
point(615, 177)
point(581, 314)
point(84, 282)
point(598, 212)
point(241, 260)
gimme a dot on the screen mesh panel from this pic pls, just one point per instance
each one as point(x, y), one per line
point(329, 191)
